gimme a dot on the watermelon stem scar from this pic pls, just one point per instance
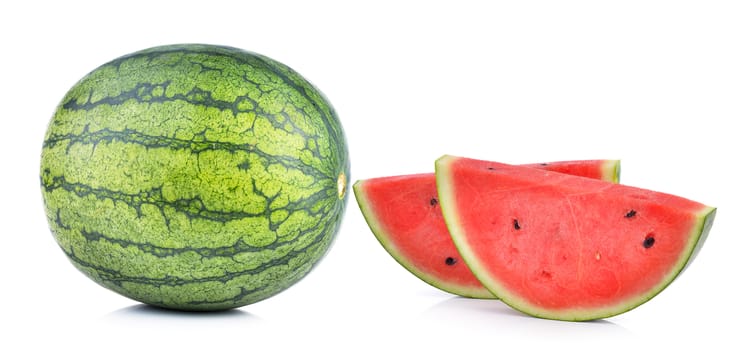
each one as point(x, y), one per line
point(341, 185)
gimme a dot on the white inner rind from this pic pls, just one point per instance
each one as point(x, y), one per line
point(612, 168)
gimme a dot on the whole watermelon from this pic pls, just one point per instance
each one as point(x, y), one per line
point(194, 177)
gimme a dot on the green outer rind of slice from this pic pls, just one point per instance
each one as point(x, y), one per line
point(612, 167)
point(446, 192)
point(383, 237)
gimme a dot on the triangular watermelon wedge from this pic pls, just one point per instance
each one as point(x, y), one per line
point(404, 214)
point(566, 247)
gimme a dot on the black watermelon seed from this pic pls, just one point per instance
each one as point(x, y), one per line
point(450, 261)
point(543, 164)
point(516, 224)
point(631, 213)
point(491, 168)
point(433, 201)
point(649, 241)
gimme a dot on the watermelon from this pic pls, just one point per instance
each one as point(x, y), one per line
point(565, 247)
point(194, 177)
point(404, 214)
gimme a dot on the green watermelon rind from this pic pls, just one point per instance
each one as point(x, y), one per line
point(383, 237)
point(697, 238)
point(232, 195)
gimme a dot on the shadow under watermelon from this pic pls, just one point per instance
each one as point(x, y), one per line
point(143, 313)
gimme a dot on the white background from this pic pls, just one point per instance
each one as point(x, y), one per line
point(661, 85)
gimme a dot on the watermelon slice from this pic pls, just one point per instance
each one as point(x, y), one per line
point(404, 214)
point(566, 247)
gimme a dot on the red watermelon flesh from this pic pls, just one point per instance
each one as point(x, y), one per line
point(404, 214)
point(566, 247)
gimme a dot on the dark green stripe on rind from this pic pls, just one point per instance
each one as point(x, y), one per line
point(194, 177)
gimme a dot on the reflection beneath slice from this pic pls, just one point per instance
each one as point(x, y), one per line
point(497, 316)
